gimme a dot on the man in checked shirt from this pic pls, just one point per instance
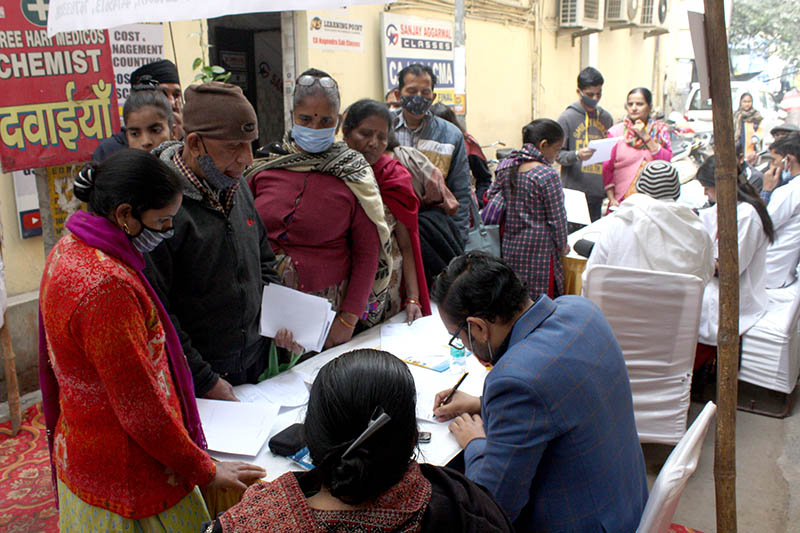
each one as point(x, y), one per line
point(553, 437)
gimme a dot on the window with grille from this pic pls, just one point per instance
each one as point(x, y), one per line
point(647, 12)
point(569, 11)
point(591, 9)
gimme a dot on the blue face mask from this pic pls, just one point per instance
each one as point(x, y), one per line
point(785, 175)
point(313, 141)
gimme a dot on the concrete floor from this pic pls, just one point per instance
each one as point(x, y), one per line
point(767, 474)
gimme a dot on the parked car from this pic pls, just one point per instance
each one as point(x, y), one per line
point(698, 114)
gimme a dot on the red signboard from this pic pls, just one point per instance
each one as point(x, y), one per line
point(57, 100)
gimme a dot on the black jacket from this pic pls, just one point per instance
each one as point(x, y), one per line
point(210, 276)
point(115, 143)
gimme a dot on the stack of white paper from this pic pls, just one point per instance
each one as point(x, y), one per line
point(236, 427)
point(307, 317)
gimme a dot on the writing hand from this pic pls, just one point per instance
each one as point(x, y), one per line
point(460, 403)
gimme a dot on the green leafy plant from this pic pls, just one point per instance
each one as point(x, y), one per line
point(209, 72)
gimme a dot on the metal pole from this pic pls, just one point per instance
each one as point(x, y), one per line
point(728, 338)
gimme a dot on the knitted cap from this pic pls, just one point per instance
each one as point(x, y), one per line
point(163, 71)
point(660, 180)
point(787, 127)
point(219, 111)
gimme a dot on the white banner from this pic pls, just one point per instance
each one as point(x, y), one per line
point(131, 47)
point(72, 15)
point(327, 33)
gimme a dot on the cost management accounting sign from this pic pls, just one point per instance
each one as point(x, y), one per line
point(407, 40)
point(57, 101)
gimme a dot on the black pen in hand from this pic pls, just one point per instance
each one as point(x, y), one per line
point(449, 397)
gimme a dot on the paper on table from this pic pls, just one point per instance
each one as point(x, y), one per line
point(287, 389)
point(308, 317)
point(602, 149)
point(427, 336)
point(236, 427)
point(425, 406)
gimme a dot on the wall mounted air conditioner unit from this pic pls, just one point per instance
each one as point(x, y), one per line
point(622, 11)
point(654, 13)
point(583, 14)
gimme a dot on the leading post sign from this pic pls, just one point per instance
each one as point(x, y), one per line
point(57, 100)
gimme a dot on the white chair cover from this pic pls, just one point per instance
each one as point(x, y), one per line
point(655, 317)
point(680, 465)
point(771, 348)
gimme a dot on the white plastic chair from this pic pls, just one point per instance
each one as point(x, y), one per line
point(680, 465)
point(655, 317)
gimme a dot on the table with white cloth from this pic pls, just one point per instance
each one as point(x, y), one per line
point(442, 447)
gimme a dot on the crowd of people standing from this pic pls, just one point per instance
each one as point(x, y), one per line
point(154, 299)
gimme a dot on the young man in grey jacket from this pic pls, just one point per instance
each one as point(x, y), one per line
point(582, 122)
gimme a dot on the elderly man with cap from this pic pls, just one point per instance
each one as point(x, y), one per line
point(210, 275)
point(165, 73)
point(650, 231)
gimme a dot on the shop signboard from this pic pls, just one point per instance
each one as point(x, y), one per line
point(57, 102)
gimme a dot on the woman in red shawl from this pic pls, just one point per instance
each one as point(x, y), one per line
point(366, 130)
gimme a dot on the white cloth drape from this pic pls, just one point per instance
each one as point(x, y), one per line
point(658, 235)
point(752, 286)
point(784, 253)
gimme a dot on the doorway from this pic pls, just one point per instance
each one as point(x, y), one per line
point(249, 47)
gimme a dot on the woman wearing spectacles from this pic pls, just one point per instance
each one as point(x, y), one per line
point(323, 211)
point(361, 432)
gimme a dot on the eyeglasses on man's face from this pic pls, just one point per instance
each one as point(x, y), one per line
point(455, 342)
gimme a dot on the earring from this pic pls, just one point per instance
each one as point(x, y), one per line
point(125, 228)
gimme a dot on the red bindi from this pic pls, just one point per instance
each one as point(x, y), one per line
point(315, 115)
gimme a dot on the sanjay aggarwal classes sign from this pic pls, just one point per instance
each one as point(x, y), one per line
point(57, 101)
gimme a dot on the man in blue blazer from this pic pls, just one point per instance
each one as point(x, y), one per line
point(553, 436)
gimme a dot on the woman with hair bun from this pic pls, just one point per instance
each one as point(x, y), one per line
point(361, 432)
point(535, 233)
point(126, 443)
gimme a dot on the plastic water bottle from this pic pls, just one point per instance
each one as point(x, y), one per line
point(458, 358)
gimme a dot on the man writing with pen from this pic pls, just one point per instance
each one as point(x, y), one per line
point(553, 437)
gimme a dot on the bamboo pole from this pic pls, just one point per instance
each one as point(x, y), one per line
point(10, 370)
point(728, 338)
